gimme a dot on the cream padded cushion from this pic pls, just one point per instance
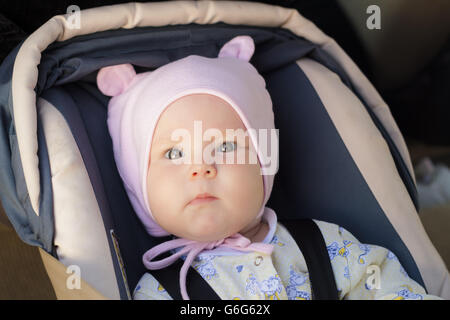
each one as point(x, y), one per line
point(80, 235)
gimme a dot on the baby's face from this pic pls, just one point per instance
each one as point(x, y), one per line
point(171, 184)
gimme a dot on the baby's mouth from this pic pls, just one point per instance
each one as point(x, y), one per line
point(202, 198)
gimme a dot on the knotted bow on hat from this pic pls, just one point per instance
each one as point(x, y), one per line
point(193, 248)
point(132, 121)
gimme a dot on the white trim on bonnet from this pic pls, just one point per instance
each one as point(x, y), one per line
point(132, 15)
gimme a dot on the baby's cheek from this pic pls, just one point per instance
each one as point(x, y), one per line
point(245, 185)
point(162, 188)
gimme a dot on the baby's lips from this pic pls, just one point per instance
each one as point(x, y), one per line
point(202, 198)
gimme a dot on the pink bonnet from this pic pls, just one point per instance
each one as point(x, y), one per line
point(138, 100)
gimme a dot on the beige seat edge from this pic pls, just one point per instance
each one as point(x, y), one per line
point(57, 273)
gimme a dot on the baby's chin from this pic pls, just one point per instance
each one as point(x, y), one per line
point(207, 227)
point(207, 232)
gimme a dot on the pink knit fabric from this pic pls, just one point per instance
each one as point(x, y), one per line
point(137, 102)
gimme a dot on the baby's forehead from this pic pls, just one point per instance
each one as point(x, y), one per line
point(204, 131)
point(200, 111)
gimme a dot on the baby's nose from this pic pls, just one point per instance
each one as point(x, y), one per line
point(203, 170)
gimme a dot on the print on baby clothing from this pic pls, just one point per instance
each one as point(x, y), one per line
point(407, 293)
point(205, 267)
point(365, 248)
point(277, 242)
point(296, 280)
point(392, 256)
point(268, 289)
point(334, 249)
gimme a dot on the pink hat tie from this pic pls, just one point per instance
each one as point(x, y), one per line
point(193, 248)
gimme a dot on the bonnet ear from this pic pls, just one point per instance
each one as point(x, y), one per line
point(240, 47)
point(114, 80)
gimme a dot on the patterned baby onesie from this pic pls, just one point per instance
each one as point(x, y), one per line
point(284, 275)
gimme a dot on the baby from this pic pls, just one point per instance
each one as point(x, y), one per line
point(195, 186)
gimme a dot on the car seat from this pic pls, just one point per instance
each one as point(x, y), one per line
point(342, 158)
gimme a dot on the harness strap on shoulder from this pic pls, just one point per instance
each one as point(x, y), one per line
point(197, 287)
point(312, 245)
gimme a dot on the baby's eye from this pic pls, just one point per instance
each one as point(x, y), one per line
point(171, 154)
point(227, 146)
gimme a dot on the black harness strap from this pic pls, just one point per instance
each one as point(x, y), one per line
point(197, 288)
point(312, 245)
